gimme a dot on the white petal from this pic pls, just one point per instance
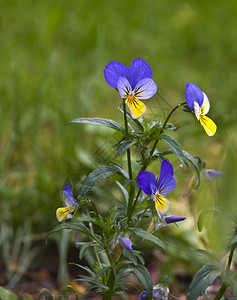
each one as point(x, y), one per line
point(145, 89)
point(197, 109)
point(206, 105)
point(124, 87)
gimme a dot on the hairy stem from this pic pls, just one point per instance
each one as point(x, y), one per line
point(224, 285)
point(165, 123)
point(132, 189)
point(145, 165)
point(128, 150)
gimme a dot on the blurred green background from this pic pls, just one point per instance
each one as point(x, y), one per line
point(52, 56)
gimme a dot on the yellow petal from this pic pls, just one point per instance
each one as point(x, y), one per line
point(162, 204)
point(137, 108)
point(208, 125)
point(61, 213)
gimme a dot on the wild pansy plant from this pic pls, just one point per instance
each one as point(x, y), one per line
point(112, 237)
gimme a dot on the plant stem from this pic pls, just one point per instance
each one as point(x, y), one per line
point(143, 168)
point(224, 285)
point(128, 150)
point(132, 189)
point(163, 127)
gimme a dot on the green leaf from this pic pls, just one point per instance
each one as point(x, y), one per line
point(103, 270)
point(99, 121)
point(123, 190)
point(67, 290)
point(195, 165)
point(203, 215)
point(129, 254)
point(148, 236)
point(84, 248)
point(144, 278)
point(175, 146)
point(7, 295)
point(202, 279)
point(98, 175)
point(74, 225)
point(93, 275)
point(123, 146)
point(134, 121)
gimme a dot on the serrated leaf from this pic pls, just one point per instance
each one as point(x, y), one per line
point(202, 279)
point(175, 146)
point(98, 175)
point(99, 121)
point(144, 278)
point(123, 146)
point(148, 236)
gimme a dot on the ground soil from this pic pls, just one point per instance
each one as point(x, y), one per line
point(40, 281)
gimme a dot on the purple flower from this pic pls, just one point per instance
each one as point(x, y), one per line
point(63, 212)
point(159, 292)
point(134, 83)
point(125, 242)
point(211, 174)
point(121, 241)
point(173, 219)
point(158, 187)
point(199, 104)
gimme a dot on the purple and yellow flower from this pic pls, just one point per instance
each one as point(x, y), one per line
point(158, 188)
point(63, 212)
point(134, 83)
point(159, 292)
point(200, 105)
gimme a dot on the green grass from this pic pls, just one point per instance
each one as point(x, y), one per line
point(52, 56)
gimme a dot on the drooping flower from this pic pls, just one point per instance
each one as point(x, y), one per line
point(173, 219)
point(63, 212)
point(200, 105)
point(211, 174)
point(134, 83)
point(121, 241)
point(159, 292)
point(158, 187)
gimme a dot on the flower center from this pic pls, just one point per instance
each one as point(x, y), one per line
point(132, 100)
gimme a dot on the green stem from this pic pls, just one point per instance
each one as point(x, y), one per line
point(109, 293)
point(145, 165)
point(224, 285)
point(128, 150)
point(132, 189)
point(163, 127)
